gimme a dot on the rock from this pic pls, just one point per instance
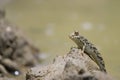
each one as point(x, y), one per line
point(73, 66)
point(16, 51)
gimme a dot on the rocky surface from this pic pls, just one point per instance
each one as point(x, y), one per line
point(73, 66)
point(16, 51)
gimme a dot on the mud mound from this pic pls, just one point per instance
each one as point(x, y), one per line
point(15, 50)
point(73, 66)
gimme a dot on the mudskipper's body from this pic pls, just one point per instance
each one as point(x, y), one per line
point(89, 49)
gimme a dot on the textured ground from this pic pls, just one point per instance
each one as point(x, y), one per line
point(17, 53)
point(73, 66)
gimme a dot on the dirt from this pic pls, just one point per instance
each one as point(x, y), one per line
point(72, 66)
point(16, 51)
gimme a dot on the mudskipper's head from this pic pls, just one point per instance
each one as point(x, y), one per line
point(74, 36)
point(77, 38)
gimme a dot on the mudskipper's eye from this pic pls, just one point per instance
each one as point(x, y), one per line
point(76, 33)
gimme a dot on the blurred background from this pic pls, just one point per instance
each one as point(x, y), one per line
point(49, 22)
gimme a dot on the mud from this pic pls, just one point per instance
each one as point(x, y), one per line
point(73, 66)
point(16, 51)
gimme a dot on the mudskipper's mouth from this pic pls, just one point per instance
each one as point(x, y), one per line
point(71, 36)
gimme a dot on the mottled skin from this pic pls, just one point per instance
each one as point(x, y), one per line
point(89, 49)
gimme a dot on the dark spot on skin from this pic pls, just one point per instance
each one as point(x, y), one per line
point(85, 40)
point(96, 51)
point(91, 47)
point(82, 37)
point(78, 37)
point(88, 43)
point(99, 56)
point(102, 64)
point(94, 48)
